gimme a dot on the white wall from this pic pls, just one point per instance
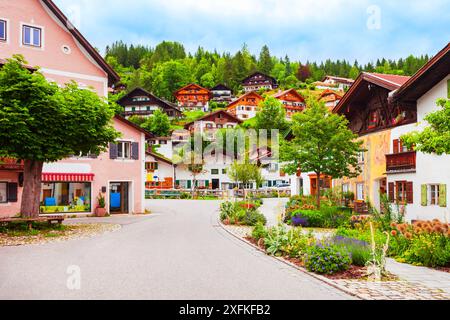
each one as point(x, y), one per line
point(430, 168)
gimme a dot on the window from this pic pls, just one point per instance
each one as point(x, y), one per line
point(434, 194)
point(345, 188)
point(403, 192)
point(163, 142)
point(65, 197)
point(360, 191)
point(3, 192)
point(3, 30)
point(32, 36)
point(124, 150)
point(214, 171)
point(151, 166)
point(224, 171)
point(361, 156)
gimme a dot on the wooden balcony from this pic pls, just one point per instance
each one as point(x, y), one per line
point(11, 164)
point(399, 162)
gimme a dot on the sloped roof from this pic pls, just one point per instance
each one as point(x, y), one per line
point(426, 77)
point(191, 85)
point(131, 93)
point(212, 114)
point(293, 91)
point(159, 157)
point(233, 103)
point(220, 87)
point(133, 125)
point(113, 77)
point(259, 73)
point(387, 81)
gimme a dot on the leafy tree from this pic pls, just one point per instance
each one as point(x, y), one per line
point(323, 144)
point(303, 73)
point(139, 120)
point(168, 77)
point(271, 115)
point(435, 138)
point(244, 174)
point(207, 80)
point(41, 122)
point(158, 124)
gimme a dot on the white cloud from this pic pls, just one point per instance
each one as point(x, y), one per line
point(304, 29)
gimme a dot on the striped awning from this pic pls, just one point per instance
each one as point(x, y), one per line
point(67, 177)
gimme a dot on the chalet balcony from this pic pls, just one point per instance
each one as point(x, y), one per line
point(400, 162)
point(11, 164)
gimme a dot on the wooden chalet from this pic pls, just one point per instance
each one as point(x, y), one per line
point(143, 103)
point(220, 119)
point(259, 81)
point(193, 97)
point(221, 93)
point(246, 106)
point(293, 102)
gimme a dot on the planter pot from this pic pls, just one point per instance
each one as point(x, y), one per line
point(100, 212)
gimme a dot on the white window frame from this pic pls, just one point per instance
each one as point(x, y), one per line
point(345, 188)
point(6, 192)
point(360, 192)
point(32, 46)
point(6, 22)
point(430, 192)
point(121, 148)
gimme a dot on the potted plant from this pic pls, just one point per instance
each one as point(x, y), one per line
point(100, 211)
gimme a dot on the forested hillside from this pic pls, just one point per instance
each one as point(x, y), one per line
point(167, 67)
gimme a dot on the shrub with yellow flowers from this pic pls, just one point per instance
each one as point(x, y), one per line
point(424, 243)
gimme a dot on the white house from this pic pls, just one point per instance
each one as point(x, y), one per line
point(427, 176)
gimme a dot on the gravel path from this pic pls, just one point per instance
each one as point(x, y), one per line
point(178, 252)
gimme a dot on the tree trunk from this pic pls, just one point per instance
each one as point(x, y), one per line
point(318, 190)
point(32, 175)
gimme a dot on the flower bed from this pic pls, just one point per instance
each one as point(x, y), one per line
point(241, 213)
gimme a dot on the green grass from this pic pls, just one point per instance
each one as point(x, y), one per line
point(38, 228)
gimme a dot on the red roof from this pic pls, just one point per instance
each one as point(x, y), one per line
point(395, 79)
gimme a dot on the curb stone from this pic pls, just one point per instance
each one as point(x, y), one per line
point(316, 276)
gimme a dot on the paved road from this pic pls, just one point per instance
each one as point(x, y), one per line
point(178, 252)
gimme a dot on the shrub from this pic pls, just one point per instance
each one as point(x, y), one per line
point(259, 231)
point(253, 217)
point(359, 250)
point(327, 259)
point(275, 240)
point(297, 243)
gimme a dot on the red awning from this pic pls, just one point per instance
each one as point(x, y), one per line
point(67, 177)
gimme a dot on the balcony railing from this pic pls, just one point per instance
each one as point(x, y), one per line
point(404, 161)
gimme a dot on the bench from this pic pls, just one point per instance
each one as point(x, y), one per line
point(29, 221)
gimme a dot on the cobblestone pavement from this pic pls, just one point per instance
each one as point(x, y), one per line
point(420, 284)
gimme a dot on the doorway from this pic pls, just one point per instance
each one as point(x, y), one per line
point(215, 184)
point(119, 197)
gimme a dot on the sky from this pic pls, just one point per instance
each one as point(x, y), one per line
point(312, 30)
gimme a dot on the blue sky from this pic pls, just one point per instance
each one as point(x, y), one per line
point(304, 29)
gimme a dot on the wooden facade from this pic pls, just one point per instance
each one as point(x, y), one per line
point(220, 119)
point(143, 103)
point(246, 106)
point(193, 97)
point(221, 93)
point(368, 108)
point(293, 102)
point(259, 81)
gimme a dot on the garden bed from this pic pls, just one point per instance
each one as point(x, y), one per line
point(19, 234)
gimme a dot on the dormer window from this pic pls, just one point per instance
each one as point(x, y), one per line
point(32, 36)
point(2, 30)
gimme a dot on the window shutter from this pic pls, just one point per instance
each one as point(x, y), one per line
point(135, 151)
point(424, 193)
point(396, 146)
point(443, 195)
point(113, 151)
point(391, 191)
point(207, 183)
point(448, 88)
point(12, 192)
point(409, 192)
point(189, 184)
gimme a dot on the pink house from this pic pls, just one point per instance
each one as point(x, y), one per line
point(39, 31)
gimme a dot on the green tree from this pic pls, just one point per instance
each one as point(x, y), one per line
point(265, 62)
point(41, 122)
point(158, 124)
point(323, 144)
point(207, 80)
point(435, 138)
point(244, 174)
point(168, 77)
point(271, 115)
